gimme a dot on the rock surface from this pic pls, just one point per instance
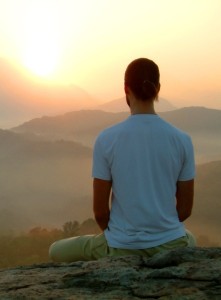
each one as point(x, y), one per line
point(188, 273)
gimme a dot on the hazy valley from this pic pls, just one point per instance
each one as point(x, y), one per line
point(45, 177)
point(41, 181)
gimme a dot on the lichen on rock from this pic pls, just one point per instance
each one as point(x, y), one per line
point(183, 274)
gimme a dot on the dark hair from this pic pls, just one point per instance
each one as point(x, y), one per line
point(142, 77)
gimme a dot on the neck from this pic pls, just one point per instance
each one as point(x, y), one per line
point(142, 108)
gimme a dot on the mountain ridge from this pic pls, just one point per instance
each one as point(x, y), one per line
point(119, 105)
point(191, 112)
point(203, 125)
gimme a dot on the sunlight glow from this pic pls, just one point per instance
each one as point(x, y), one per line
point(40, 56)
point(79, 41)
point(41, 50)
point(49, 29)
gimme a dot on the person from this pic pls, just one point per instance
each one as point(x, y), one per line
point(143, 186)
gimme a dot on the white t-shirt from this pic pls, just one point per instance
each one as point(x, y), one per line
point(144, 156)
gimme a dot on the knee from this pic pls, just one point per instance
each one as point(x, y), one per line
point(54, 252)
point(191, 239)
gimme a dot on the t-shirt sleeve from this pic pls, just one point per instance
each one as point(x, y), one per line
point(101, 168)
point(188, 168)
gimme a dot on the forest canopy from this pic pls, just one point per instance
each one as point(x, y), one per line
point(32, 247)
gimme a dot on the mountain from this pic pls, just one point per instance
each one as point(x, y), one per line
point(82, 126)
point(195, 119)
point(23, 97)
point(203, 124)
point(119, 105)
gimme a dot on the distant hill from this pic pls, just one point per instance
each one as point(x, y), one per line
point(82, 126)
point(23, 97)
point(203, 124)
point(195, 119)
point(119, 105)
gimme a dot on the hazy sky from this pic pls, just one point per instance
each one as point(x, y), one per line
point(90, 42)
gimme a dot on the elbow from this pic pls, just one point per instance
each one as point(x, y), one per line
point(98, 214)
point(102, 219)
point(184, 215)
point(97, 218)
point(101, 213)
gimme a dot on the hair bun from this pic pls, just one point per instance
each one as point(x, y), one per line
point(149, 89)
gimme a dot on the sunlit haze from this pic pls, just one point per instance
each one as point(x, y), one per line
point(62, 65)
point(90, 42)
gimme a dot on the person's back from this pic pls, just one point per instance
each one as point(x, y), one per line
point(144, 156)
point(147, 166)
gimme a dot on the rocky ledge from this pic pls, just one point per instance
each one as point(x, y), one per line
point(189, 273)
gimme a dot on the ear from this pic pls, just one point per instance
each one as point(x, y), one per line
point(126, 89)
point(158, 89)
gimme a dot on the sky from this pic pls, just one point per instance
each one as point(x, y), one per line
point(89, 43)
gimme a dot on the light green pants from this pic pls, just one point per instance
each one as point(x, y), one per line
point(92, 247)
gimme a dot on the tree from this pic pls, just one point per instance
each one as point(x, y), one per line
point(89, 226)
point(70, 228)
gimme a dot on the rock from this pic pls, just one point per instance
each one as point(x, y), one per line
point(184, 274)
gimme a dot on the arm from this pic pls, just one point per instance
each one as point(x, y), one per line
point(101, 195)
point(184, 197)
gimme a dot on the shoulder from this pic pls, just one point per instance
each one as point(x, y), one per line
point(110, 132)
point(175, 131)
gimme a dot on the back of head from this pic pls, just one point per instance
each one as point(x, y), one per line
point(142, 77)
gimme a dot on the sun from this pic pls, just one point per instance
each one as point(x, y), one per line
point(41, 50)
point(41, 56)
point(53, 37)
